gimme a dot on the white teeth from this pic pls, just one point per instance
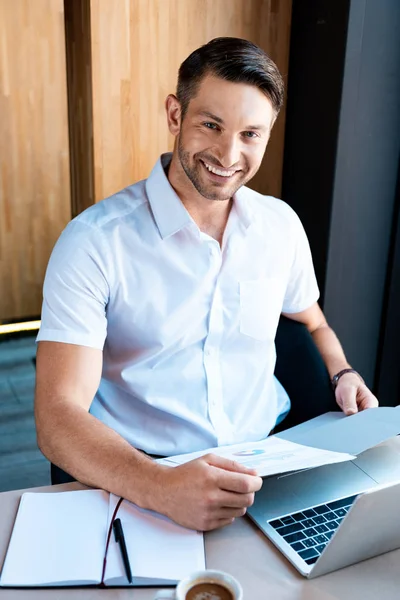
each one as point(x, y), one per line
point(218, 171)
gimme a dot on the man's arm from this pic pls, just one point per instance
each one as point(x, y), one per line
point(203, 494)
point(351, 393)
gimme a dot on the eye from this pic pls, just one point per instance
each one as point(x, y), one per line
point(209, 125)
point(250, 134)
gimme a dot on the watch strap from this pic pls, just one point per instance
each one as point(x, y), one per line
point(335, 378)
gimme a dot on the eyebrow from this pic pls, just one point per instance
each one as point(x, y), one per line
point(205, 113)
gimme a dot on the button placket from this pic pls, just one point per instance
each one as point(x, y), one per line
point(212, 367)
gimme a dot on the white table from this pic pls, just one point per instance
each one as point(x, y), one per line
point(242, 550)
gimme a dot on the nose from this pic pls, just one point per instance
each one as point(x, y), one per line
point(228, 151)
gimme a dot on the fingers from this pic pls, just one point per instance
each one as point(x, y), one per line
point(231, 513)
point(347, 400)
point(230, 500)
point(218, 523)
point(368, 401)
point(213, 510)
point(224, 516)
point(352, 398)
point(228, 464)
point(238, 482)
point(371, 403)
point(207, 496)
point(234, 477)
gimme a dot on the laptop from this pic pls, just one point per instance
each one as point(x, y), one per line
point(336, 515)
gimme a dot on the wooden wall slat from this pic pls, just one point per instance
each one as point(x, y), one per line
point(137, 47)
point(80, 106)
point(34, 156)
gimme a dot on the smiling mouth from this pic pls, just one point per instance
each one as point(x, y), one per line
point(221, 173)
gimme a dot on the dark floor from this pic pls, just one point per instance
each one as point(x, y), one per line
point(21, 463)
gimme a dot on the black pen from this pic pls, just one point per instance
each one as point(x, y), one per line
point(120, 539)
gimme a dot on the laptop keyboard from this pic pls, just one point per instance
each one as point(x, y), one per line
point(309, 531)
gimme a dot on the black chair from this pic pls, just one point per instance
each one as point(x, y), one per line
point(301, 371)
point(303, 374)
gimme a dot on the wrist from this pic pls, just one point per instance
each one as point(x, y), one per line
point(337, 376)
point(153, 486)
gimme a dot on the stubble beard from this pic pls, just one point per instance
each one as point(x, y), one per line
point(193, 172)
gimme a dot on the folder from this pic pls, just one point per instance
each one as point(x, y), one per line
point(59, 539)
point(355, 434)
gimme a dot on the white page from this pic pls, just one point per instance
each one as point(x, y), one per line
point(158, 548)
point(270, 456)
point(58, 538)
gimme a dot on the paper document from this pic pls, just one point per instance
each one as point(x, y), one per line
point(270, 456)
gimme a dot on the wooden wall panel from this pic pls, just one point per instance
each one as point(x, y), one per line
point(34, 159)
point(123, 58)
point(137, 47)
point(80, 104)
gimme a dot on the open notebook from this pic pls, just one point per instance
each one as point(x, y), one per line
point(59, 539)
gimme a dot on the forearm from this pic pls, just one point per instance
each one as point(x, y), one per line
point(96, 455)
point(351, 393)
point(330, 349)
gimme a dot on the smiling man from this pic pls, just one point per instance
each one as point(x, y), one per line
point(161, 306)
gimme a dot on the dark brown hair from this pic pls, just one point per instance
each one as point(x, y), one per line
point(232, 59)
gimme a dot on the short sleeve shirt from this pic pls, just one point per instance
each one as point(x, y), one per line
point(186, 326)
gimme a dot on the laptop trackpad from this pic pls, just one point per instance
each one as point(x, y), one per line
point(285, 494)
point(382, 462)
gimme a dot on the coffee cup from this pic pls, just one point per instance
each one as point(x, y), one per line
point(204, 585)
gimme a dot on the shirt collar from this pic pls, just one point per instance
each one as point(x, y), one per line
point(242, 203)
point(170, 214)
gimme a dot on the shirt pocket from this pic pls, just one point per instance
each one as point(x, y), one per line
point(261, 303)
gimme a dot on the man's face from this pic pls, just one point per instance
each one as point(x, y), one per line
point(223, 136)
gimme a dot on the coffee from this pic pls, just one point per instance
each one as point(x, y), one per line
point(209, 591)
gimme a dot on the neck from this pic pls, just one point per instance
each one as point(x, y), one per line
point(210, 216)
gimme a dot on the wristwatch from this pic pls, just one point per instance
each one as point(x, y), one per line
point(335, 378)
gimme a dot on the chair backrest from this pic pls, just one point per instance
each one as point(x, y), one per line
point(302, 372)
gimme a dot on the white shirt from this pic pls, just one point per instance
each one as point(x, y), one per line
point(187, 328)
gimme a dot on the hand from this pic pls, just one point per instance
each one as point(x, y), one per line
point(208, 492)
point(352, 395)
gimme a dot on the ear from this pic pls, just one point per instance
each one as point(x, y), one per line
point(173, 109)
